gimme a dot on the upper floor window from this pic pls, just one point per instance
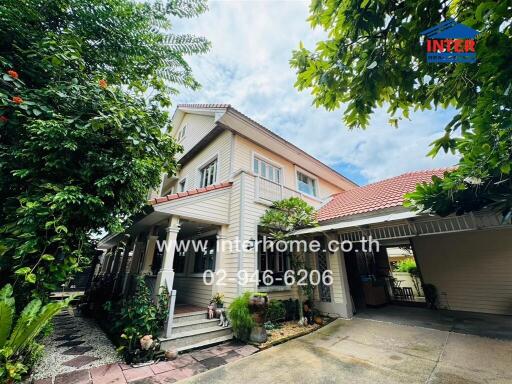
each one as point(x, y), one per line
point(208, 174)
point(182, 133)
point(182, 185)
point(267, 171)
point(306, 184)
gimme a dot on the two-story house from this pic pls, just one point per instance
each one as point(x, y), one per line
point(231, 170)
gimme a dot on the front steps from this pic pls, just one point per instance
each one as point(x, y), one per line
point(193, 330)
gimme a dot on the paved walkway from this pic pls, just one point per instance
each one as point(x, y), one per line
point(184, 366)
point(77, 343)
point(361, 351)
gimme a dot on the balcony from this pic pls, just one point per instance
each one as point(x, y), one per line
point(269, 191)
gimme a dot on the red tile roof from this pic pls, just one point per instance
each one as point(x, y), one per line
point(206, 106)
point(192, 192)
point(372, 197)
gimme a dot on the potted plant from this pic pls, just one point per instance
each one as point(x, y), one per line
point(258, 306)
point(218, 300)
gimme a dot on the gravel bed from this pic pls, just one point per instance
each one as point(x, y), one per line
point(286, 331)
point(91, 334)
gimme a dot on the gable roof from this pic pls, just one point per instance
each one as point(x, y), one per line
point(380, 195)
point(226, 115)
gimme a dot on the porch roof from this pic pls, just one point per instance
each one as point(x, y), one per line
point(192, 192)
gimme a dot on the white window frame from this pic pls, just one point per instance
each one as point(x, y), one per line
point(204, 165)
point(311, 176)
point(184, 181)
point(274, 164)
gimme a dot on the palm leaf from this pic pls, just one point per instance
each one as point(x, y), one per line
point(23, 339)
point(6, 313)
point(27, 316)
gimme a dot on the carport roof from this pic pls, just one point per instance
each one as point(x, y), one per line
point(372, 197)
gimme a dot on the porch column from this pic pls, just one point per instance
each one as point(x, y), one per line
point(341, 291)
point(149, 254)
point(165, 276)
point(219, 256)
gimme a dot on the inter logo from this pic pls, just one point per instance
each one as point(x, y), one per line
point(450, 42)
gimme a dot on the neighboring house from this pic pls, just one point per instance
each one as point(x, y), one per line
point(231, 170)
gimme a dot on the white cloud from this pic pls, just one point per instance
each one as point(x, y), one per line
point(248, 67)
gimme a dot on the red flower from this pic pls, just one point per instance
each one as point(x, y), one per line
point(4, 119)
point(17, 100)
point(13, 74)
point(103, 83)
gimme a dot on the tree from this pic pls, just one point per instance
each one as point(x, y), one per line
point(373, 57)
point(84, 126)
point(280, 220)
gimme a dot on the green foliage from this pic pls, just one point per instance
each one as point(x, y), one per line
point(288, 215)
point(136, 317)
point(218, 298)
point(406, 265)
point(276, 311)
point(240, 317)
point(284, 217)
point(18, 347)
point(84, 88)
point(372, 57)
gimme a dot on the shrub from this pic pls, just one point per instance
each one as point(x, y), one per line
point(240, 317)
point(292, 309)
point(18, 347)
point(276, 311)
point(137, 317)
point(407, 265)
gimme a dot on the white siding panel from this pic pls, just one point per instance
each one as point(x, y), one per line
point(211, 206)
point(472, 270)
point(219, 147)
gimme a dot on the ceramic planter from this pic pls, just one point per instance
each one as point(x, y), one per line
point(258, 306)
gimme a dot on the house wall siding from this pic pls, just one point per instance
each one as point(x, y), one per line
point(219, 147)
point(198, 126)
point(470, 270)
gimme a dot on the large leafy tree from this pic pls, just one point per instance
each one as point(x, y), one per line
point(84, 97)
point(373, 57)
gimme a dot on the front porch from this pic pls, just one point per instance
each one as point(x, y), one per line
point(171, 253)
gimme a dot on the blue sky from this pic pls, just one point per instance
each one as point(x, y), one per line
point(248, 67)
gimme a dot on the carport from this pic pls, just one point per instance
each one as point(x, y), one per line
point(467, 258)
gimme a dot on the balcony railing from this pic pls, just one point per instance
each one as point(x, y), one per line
point(270, 191)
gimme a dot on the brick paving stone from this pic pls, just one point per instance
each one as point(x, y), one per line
point(124, 366)
point(68, 337)
point(231, 356)
point(77, 350)
point(73, 343)
point(75, 377)
point(183, 360)
point(201, 355)
point(133, 374)
point(163, 366)
point(222, 349)
point(212, 362)
point(190, 370)
point(80, 361)
point(107, 374)
point(246, 350)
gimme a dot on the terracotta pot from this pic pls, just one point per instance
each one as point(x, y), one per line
point(258, 306)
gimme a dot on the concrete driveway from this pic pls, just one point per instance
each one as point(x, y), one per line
point(368, 351)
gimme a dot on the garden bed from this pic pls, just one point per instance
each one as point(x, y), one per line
point(289, 330)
